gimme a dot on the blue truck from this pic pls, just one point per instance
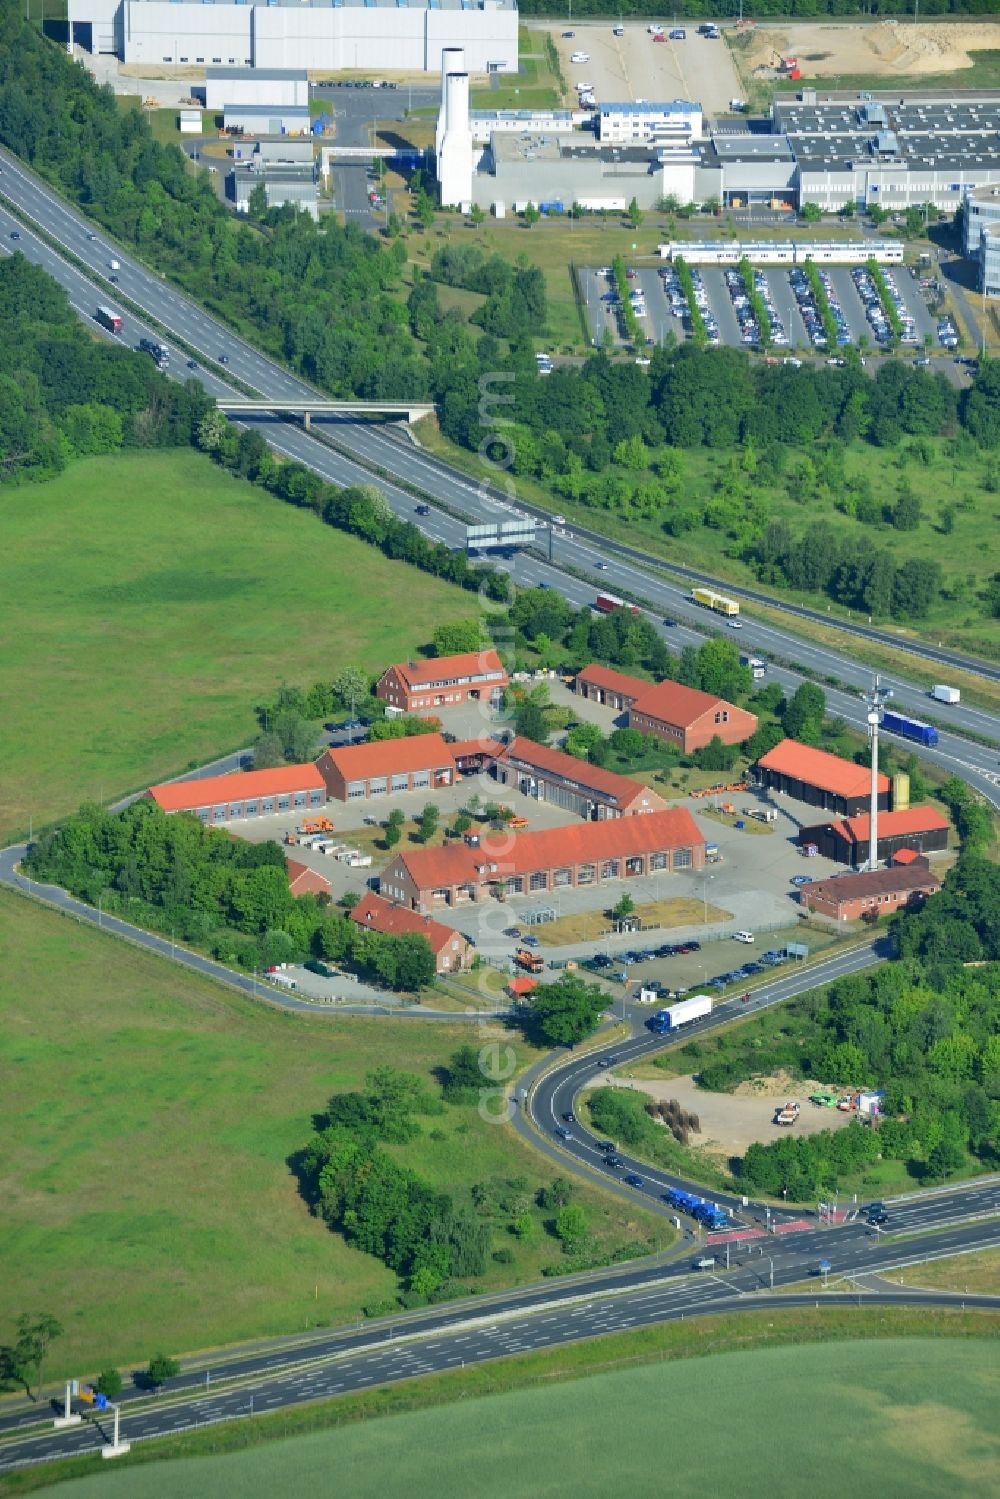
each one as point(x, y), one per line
point(706, 1213)
point(910, 728)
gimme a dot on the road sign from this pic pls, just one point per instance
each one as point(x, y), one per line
point(520, 532)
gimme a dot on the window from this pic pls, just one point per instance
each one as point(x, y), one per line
point(300, 798)
point(202, 814)
point(282, 803)
point(199, 59)
point(235, 809)
point(683, 858)
point(315, 798)
point(216, 59)
point(723, 716)
point(267, 805)
point(250, 809)
point(219, 814)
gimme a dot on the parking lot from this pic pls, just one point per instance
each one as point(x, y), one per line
point(633, 66)
point(660, 307)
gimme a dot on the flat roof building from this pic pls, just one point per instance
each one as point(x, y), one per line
point(247, 794)
point(819, 778)
point(879, 892)
point(452, 950)
point(922, 829)
point(562, 780)
point(268, 119)
point(357, 772)
point(271, 86)
point(688, 717)
point(582, 854)
point(443, 682)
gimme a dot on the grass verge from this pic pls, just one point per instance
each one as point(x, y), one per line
point(588, 926)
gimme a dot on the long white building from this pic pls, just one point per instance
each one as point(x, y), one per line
point(371, 36)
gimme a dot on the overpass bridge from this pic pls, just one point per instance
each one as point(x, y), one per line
point(410, 411)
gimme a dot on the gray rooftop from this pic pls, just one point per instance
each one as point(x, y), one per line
point(259, 75)
point(649, 106)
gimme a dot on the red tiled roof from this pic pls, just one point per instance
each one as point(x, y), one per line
point(182, 796)
point(819, 768)
point(450, 668)
point(310, 879)
point(522, 986)
point(845, 887)
point(612, 681)
point(904, 856)
point(673, 703)
point(463, 748)
point(622, 789)
point(892, 824)
point(390, 756)
point(382, 915)
point(549, 848)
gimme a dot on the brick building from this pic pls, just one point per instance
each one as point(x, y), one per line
point(922, 829)
point(244, 795)
point(848, 897)
point(582, 854)
point(614, 689)
point(452, 951)
point(357, 772)
point(302, 880)
point(688, 717)
point(444, 682)
point(551, 775)
point(821, 779)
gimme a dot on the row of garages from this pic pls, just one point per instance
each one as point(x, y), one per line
point(660, 320)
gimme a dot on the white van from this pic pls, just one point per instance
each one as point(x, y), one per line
point(743, 936)
point(580, 57)
point(114, 265)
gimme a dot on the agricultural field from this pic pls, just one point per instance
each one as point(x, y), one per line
point(920, 1422)
point(150, 600)
point(148, 1199)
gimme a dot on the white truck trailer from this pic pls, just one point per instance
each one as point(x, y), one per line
point(682, 1012)
point(942, 694)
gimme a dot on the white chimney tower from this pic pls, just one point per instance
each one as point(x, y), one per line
point(454, 168)
point(452, 61)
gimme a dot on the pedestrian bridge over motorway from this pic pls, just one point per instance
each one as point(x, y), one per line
point(410, 411)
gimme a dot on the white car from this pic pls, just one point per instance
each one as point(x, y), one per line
point(743, 937)
point(580, 57)
point(736, 624)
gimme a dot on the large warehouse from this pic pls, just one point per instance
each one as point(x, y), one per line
point(322, 35)
point(819, 778)
point(247, 794)
point(922, 829)
point(586, 853)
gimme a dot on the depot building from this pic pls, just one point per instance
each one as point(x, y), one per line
point(508, 864)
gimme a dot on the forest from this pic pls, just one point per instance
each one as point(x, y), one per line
point(799, 10)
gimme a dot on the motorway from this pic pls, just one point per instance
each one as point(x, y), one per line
point(361, 446)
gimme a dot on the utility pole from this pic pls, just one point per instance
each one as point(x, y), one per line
point(876, 700)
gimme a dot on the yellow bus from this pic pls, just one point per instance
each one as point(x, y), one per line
point(709, 599)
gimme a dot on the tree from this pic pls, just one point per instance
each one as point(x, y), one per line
point(476, 214)
point(34, 1337)
point(109, 1383)
point(529, 719)
point(424, 209)
point(531, 215)
point(810, 213)
point(634, 213)
point(804, 714)
point(257, 202)
point(624, 908)
point(464, 1075)
point(267, 751)
point(571, 1225)
point(427, 825)
point(582, 738)
point(566, 1011)
point(458, 637)
point(161, 1368)
point(391, 835)
point(351, 684)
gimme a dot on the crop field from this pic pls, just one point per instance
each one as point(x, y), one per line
point(150, 600)
point(919, 1421)
point(150, 1115)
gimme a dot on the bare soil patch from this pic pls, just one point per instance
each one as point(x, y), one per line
point(891, 48)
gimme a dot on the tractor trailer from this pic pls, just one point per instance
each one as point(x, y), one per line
point(681, 1013)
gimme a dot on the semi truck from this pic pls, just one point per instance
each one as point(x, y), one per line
point(942, 694)
point(709, 599)
point(707, 1213)
point(159, 351)
point(680, 1013)
point(607, 603)
point(910, 728)
point(108, 318)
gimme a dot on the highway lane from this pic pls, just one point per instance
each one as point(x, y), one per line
point(376, 445)
point(487, 1333)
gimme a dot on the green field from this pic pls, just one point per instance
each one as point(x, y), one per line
point(149, 600)
point(150, 1114)
point(902, 1417)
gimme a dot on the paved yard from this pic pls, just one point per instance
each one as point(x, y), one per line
point(633, 66)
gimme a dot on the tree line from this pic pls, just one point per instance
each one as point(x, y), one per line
point(726, 9)
point(171, 874)
point(65, 395)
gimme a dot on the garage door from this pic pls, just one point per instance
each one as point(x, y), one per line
point(378, 788)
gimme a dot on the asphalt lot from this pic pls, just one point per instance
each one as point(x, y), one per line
point(633, 66)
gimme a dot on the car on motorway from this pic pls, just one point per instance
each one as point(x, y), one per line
point(223, 358)
point(613, 1162)
point(113, 280)
point(632, 1180)
point(607, 1146)
point(610, 1061)
point(192, 364)
point(735, 624)
point(423, 510)
point(544, 583)
point(15, 234)
point(562, 1132)
point(873, 1209)
point(602, 567)
point(877, 1220)
point(91, 235)
point(569, 1117)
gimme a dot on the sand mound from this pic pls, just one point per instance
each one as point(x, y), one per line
point(890, 48)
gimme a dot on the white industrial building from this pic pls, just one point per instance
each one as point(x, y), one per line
point(267, 119)
point(785, 252)
point(255, 86)
point(322, 35)
point(675, 121)
point(981, 236)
